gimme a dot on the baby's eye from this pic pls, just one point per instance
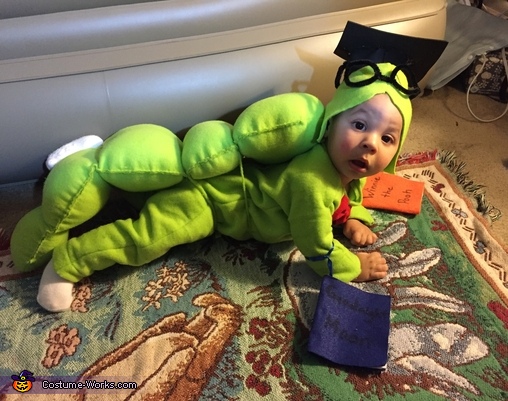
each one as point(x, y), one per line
point(358, 125)
point(387, 139)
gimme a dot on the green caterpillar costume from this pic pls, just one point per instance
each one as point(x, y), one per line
point(289, 190)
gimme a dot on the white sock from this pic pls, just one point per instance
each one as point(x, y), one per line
point(55, 293)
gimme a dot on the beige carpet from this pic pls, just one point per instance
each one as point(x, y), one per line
point(441, 121)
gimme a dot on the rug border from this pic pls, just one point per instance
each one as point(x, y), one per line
point(478, 216)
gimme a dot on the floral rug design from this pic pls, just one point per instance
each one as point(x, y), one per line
point(227, 320)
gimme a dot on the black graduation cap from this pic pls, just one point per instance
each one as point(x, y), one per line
point(359, 42)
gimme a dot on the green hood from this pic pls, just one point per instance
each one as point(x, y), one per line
point(347, 97)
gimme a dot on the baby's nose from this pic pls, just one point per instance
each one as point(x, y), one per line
point(370, 143)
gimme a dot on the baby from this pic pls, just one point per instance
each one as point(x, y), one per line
point(363, 141)
point(361, 134)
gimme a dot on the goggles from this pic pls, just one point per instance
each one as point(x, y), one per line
point(372, 73)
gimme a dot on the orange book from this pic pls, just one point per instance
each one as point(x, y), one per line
point(394, 193)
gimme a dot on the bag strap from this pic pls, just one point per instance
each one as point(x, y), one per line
point(484, 61)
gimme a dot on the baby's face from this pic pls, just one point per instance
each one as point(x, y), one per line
point(363, 140)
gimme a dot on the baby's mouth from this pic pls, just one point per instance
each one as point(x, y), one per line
point(360, 164)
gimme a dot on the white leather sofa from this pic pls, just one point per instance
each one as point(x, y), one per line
point(71, 68)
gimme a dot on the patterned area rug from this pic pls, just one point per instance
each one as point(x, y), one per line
point(227, 320)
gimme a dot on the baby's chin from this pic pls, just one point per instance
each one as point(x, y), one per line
point(358, 176)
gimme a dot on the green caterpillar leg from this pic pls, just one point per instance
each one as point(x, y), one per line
point(73, 193)
point(170, 217)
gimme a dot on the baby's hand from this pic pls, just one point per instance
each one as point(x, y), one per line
point(374, 266)
point(358, 233)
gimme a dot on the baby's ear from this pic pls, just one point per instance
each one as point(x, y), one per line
point(329, 126)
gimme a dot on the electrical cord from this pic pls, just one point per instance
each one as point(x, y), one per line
point(484, 61)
